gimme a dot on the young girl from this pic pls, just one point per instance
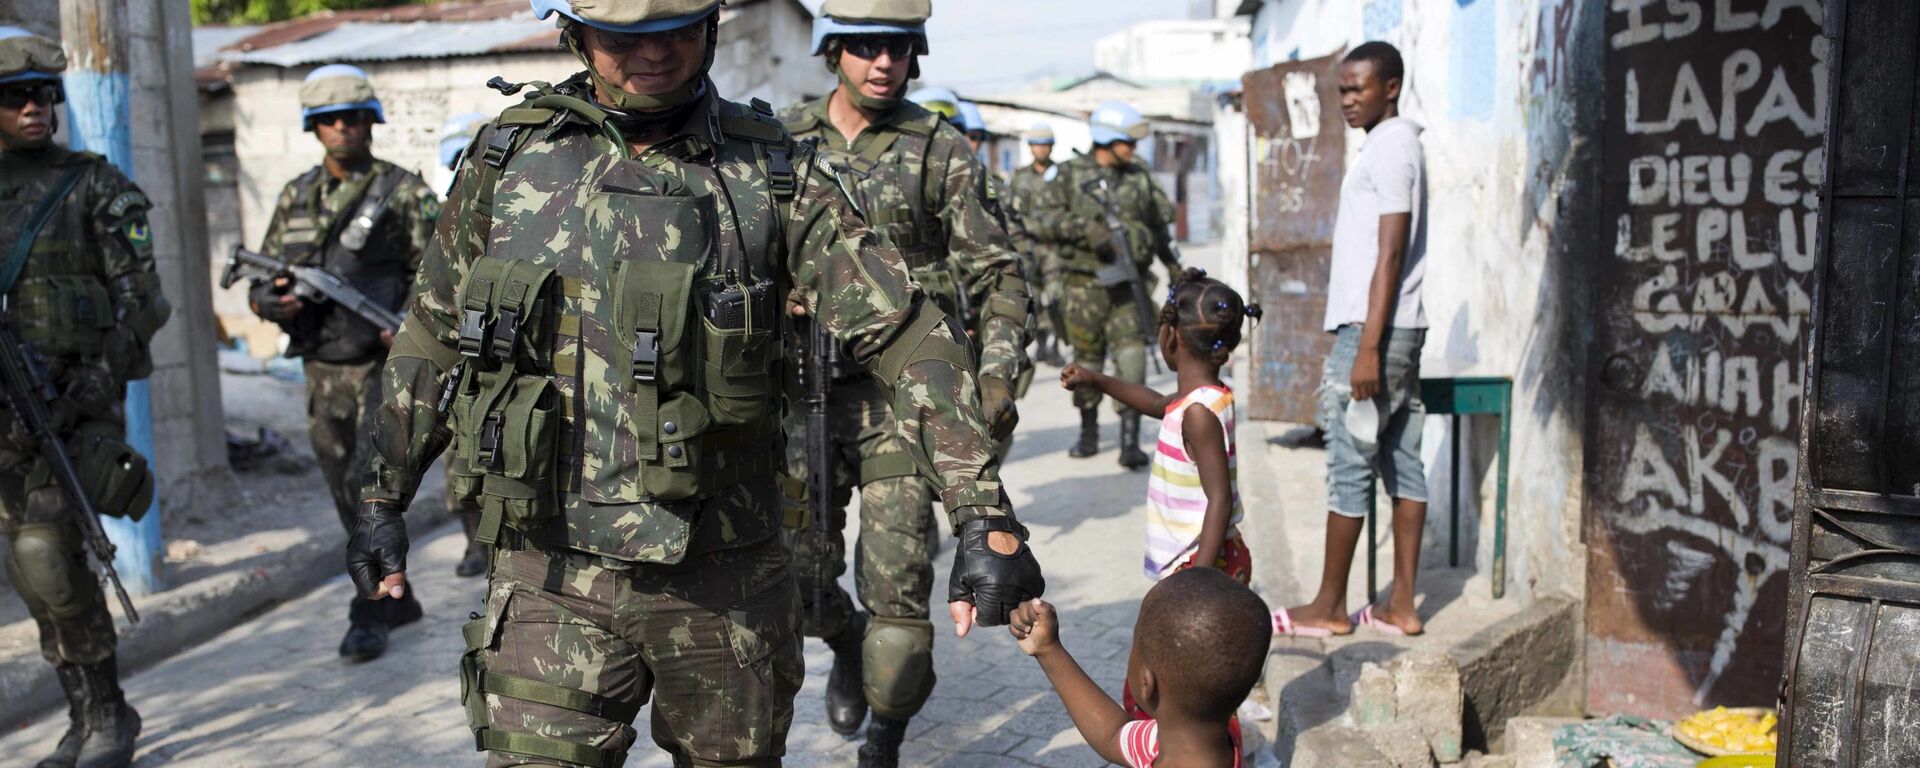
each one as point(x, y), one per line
point(1193, 501)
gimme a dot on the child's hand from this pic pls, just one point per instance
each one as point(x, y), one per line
point(1074, 377)
point(1036, 626)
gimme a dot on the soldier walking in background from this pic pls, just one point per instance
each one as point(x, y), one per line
point(921, 190)
point(366, 221)
point(80, 289)
point(1072, 216)
point(596, 334)
point(1025, 185)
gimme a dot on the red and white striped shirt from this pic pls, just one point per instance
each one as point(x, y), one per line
point(1140, 743)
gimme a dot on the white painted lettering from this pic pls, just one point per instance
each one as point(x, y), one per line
point(1742, 384)
point(1787, 389)
point(1777, 181)
point(1742, 257)
point(1725, 19)
point(1703, 472)
point(1709, 228)
point(1738, 74)
point(1648, 471)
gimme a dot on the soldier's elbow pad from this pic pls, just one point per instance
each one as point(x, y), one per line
point(139, 306)
point(923, 339)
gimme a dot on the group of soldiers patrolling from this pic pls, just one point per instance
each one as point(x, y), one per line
point(602, 327)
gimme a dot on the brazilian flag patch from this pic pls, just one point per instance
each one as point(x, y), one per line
point(138, 234)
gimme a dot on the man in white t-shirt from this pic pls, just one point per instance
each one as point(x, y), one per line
point(1373, 305)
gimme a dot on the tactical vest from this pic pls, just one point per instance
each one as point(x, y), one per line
point(620, 328)
point(60, 302)
point(364, 244)
point(890, 192)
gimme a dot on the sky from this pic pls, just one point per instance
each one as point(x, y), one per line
point(988, 46)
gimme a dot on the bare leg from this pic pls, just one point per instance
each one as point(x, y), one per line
point(1329, 607)
point(1409, 521)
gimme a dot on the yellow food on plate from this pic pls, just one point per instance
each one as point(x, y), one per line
point(1741, 731)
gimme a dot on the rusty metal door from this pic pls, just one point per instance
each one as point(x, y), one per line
point(1853, 630)
point(1298, 156)
point(1710, 159)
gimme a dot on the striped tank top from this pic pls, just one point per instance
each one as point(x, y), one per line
point(1176, 504)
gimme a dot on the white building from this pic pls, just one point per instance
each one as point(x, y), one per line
point(1194, 52)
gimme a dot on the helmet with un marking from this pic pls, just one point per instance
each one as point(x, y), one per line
point(1116, 121)
point(337, 88)
point(940, 101)
point(1040, 133)
point(29, 58)
point(872, 17)
point(629, 16)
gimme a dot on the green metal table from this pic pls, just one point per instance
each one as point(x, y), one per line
point(1457, 397)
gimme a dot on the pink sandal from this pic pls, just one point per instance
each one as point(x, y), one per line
point(1283, 625)
point(1366, 619)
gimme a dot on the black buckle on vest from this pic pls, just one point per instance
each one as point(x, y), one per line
point(498, 145)
point(490, 454)
point(780, 175)
point(473, 332)
point(646, 355)
point(506, 330)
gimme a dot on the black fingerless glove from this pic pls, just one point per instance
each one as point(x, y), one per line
point(378, 545)
point(993, 582)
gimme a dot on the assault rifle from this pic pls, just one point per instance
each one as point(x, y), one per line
point(30, 390)
point(817, 375)
point(1123, 271)
point(311, 284)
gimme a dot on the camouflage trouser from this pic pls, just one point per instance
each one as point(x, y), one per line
point(573, 645)
point(893, 564)
point(1099, 317)
point(339, 400)
point(47, 563)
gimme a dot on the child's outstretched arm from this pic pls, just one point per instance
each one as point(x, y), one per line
point(1094, 713)
point(1135, 396)
point(1206, 441)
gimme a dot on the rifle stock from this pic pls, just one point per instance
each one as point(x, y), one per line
point(29, 390)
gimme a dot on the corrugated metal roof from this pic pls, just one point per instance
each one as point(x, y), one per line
point(207, 42)
point(377, 41)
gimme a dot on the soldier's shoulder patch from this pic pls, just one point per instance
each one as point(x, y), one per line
point(127, 202)
point(429, 206)
point(137, 232)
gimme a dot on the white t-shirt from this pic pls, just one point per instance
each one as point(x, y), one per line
point(1389, 176)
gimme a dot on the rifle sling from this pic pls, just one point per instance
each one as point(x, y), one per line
point(42, 213)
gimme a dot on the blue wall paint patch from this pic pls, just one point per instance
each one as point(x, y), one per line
point(1381, 18)
point(1471, 73)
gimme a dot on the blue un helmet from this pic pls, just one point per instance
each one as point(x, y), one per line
point(29, 58)
point(1040, 133)
point(970, 119)
point(872, 17)
point(1115, 121)
point(337, 88)
point(457, 133)
point(942, 102)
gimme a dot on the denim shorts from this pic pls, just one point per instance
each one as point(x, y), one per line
point(1396, 455)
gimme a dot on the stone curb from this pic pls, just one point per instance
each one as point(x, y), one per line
point(179, 619)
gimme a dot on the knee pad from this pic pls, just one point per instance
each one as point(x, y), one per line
point(897, 664)
point(43, 569)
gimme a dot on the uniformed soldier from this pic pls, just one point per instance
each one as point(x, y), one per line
point(456, 138)
point(1025, 185)
point(81, 290)
point(1102, 317)
point(597, 332)
point(366, 221)
point(920, 187)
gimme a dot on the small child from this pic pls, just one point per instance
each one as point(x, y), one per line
point(1198, 649)
point(1193, 501)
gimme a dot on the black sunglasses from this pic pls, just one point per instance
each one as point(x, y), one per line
point(44, 94)
point(351, 117)
point(618, 43)
point(868, 47)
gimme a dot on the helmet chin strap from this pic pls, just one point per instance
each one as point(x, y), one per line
point(863, 101)
point(647, 104)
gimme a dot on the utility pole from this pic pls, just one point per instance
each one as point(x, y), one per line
point(95, 35)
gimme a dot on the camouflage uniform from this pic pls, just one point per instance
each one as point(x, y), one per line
point(920, 187)
point(616, 433)
point(92, 263)
point(340, 352)
point(1102, 319)
point(1024, 191)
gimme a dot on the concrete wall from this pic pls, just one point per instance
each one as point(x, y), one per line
point(1502, 87)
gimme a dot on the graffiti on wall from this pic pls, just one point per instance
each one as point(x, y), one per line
point(1711, 161)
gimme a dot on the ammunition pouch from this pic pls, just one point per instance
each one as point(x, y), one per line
point(73, 312)
point(114, 476)
point(505, 414)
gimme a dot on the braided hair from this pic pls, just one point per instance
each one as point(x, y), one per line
point(1207, 314)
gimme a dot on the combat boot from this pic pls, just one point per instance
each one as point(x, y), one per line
point(102, 728)
point(1089, 443)
point(846, 700)
point(882, 749)
point(1131, 456)
point(367, 630)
